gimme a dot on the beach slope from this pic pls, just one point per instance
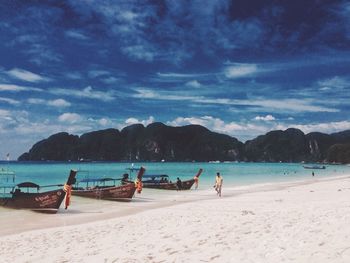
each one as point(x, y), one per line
point(306, 222)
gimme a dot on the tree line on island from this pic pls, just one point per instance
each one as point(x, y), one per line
point(158, 142)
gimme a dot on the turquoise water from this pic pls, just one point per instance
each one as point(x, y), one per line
point(234, 174)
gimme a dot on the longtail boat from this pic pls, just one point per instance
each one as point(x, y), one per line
point(162, 182)
point(107, 188)
point(27, 195)
point(314, 167)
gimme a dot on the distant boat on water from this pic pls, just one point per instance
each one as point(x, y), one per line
point(314, 167)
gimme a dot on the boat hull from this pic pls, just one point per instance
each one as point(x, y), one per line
point(108, 193)
point(46, 202)
point(186, 185)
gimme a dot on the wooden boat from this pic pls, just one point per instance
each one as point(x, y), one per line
point(106, 188)
point(27, 195)
point(163, 182)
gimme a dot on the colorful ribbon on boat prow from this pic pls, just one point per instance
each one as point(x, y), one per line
point(196, 178)
point(138, 185)
point(68, 189)
point(138, 181)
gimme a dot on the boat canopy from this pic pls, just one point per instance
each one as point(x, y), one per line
point(96, 180)
point(28, 185)
point(132, 169)
point(150, 176)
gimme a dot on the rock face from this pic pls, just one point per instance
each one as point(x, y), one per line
point(339, 153)
point(193, 142)
point(275, 146)
point(136, 142)
point(292, 145)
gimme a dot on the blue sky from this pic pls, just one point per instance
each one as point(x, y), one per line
point(237, 67)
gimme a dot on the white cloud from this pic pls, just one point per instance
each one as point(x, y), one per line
point(73, 75)
point(335, 82)
point(265, 118)
point(239, 130)
point(26, 75)
point(130, 121)
point(10, 101)
point(76, 34)
point(41, 53)
point(193, 84)
point(295, 105)
point(4, 113)
point(110, 80)
point(238, 70)
point(104, 121)
point(98, 73)
point(172, 75)
point(283, 105)
point(69, 117)
point(128, 16)
point(16, 88)
point(59, 103)
point(36, 101)
point(138, 52)
point(329, 127)
point(87, 92)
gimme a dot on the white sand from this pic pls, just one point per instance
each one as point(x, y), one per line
point(297, 222)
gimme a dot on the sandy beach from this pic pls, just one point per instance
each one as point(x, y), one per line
point(283, 222)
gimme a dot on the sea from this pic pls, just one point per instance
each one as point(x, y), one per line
point(234, 173)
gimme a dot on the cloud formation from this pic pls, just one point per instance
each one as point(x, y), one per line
point(146, 122)
point(25, 75)
point(17, 88)
point(59, 103)
point(240, 70)
point(88, 93)
point(69, 117)
point(268, 117)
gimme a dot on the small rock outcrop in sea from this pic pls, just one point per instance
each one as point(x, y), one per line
point(158, 142)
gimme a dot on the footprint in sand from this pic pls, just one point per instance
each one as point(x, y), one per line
point(214, 257)
point(247, 212)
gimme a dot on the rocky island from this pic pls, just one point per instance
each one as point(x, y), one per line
point(157, 142)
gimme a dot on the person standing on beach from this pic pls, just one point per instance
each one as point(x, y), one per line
point(218, 183)
point(313, 174)
point(178, 184)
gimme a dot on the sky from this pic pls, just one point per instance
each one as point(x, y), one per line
point(239, 67)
